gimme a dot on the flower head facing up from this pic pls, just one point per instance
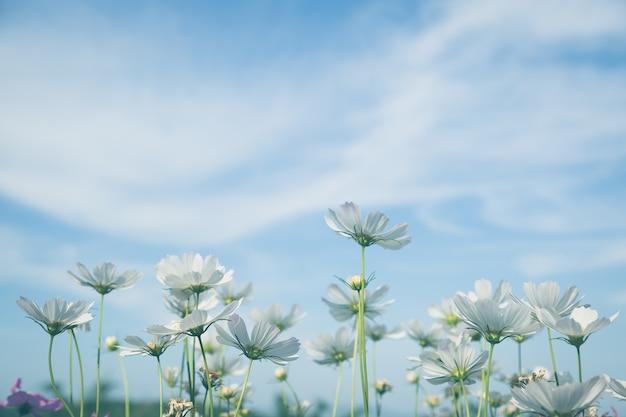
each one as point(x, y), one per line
point(29, 402)
point(57, 315)
point(105, 278)
point(261, 343)
point(348, 222)
point(578, 326)
point(454, 364)
point(547, 295)
point(566, 400)
point(192, 273)
point(327, 350)
point(495, 321)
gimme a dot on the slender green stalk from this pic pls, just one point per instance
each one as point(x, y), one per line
point(361, 338)
point(125, 381)
point(160, 385)
point(580, 365)
point(464, 391)
point(378, 397)
point(417, 396)
point(243, 389)
point(283, 397)
point(556, 374)
point(337, 390)
point(295, 397)
point(98, 348)
point(71, 379)
point(80, 370)
point(207, 376)
point(354, 367)
point(491, 348)
point(519, 358)
point(54, 385)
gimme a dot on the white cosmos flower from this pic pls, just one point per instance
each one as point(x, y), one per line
point(228, 292)
point(156, 347)
point(617, 387)
point(105, 278)
point(261, 343)
point(426, 338)
point(195, 323)
point(578, 326)
point(547, 295)
point(378, 331)
point(565, 400)
point(329, 350)
point(348, 222)
point(495, 321)
point(452, 363)
point(192, 273)
point(483, 290)
point(57, 315)
point(345, 306)
point(274, 315)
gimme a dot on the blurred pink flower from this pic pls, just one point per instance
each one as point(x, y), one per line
point(29, 402)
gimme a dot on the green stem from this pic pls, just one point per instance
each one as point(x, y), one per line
point(54, 385)
point(378, 397)
point(556, 374)
point(71, 379)
point(125, 381)
point(417, 395)
point(361, 335)
point(295, 397)
point(519, 359)
point(354, 366)
point(243, 389)
point(337, 390)
point(491, 348)
point(580, 365)
point(464, 391)
point(160, 385)
point(283, 397)
point(98, 348)
point(207, 376)
point(80, 370)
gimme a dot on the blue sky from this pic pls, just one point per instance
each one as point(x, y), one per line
point(134, 130)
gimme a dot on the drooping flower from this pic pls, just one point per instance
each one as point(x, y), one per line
point(181, 303)
point(274, 315)
point(192, 273)
point(495, 321)
point(195, 323)
point(105, 278)
point(454, 364)
point(581, 323)
point(617, 387)
point(27, 402)
point(378, 331)
point(156, 347)
point(346, 306)
point(228, 292)
point(261, 343)
point(426, 338)
point(57, 315)
point(565, 400)
point(329, 350)
point(348, 222)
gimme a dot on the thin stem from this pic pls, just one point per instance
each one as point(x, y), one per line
point(417, 395)
point(464, 391)
point(54, 385)
point(98, 355)
point(160, 385)
point(243, 389)
point(337, 390)
point(378, 397)
point(125, 381)
point(354, 361)
point(361, 336)
point(519, 358)
point(80, 370)
point(283, 397)
point(491, 348)
point(207, 376)
point(295, 397)
point(556, 374)
point(580, 365)
point(71, 379)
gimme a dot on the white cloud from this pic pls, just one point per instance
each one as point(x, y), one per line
point(472, 105)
